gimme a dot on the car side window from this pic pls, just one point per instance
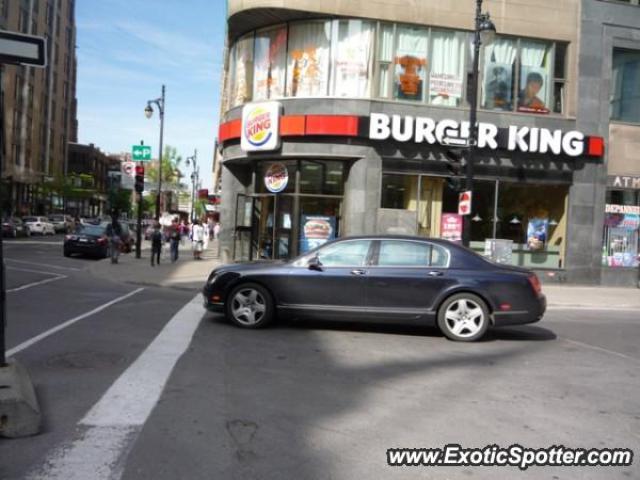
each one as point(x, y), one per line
point(439, 257)
point(403, 253)
point(344, 254)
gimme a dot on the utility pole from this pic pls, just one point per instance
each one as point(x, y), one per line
point(148, 111)
point(139, 219)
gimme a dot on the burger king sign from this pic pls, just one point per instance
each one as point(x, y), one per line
point(260, 127)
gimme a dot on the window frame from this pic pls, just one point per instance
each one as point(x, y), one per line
point(376, 254)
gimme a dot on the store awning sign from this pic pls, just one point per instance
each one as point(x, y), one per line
point(405, 128)
point(260, 127)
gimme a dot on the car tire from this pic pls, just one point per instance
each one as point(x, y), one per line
point(250, 305)
point(463, 317)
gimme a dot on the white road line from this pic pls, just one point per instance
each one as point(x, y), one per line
point(108, 431)
point(35, 284)
point(57, 328)
point(43, 264)
point(55, 276)
point(600, 349)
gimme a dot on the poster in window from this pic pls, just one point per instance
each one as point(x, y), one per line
point(270, 59)
point(537, 229)
point(316, 230)
point(445, 85)
point(409, 71)
point(451, 227)
point(352, 63)
point(498, 79)
point(533, 90)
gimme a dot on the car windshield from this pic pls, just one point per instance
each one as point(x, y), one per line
point(31, 219)
point(92, 230)
point(56, 218)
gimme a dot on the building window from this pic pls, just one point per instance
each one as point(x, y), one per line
point(241, 68)
point(410, 63)
point(352, 59)
point(625, 86)
point(308, 59)
point(534, 89)
point(447, 68)
point(559, 73)
point(499, 75)
point(270, 63)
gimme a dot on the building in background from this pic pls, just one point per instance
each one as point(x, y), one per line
point(334, 118)
point(87, 182)
point(40, 106)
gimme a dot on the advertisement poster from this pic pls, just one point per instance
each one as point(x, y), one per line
point(451, 227)
point(316, 230)
point(497, 86)
point(445, 85)
point(537, 229)
point(533, 90)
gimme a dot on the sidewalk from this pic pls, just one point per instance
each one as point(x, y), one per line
point(185, 274)
point(607, 298)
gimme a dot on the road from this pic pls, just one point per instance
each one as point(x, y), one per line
point(303, 400)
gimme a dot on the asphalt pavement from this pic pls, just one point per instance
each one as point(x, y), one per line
point(151, 387)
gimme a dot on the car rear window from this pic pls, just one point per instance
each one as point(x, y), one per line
point(92, 230)
point(403, 253)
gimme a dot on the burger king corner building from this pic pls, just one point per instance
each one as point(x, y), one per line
point(337, 120)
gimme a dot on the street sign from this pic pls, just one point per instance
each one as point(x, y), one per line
point(20, 49)
point(141, 153)
point(464, 203)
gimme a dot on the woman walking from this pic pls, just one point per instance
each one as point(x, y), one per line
point(197, 235)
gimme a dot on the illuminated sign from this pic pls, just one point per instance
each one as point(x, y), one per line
point(260, 123)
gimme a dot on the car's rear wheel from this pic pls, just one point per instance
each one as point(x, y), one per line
point(250, 306)
point(67, 253)
point(463, 317)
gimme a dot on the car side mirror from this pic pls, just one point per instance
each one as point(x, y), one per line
point(315, 264)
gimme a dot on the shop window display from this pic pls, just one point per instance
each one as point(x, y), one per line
point(270, 63)
point(352, 64)
point(621, 235)
point(447, 68)
point(308, 59)
point(411, 63)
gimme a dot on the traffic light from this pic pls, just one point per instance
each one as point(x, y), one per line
point(139, 178)
point(454, 168)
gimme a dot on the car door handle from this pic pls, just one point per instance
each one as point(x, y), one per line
point(435, 273)
point(358, 272)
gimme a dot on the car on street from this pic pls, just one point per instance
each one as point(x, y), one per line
point(14, 227)
point(127, 236)
point(88, 240)
point(389, 278)
point(40, 225)
point(62, 223)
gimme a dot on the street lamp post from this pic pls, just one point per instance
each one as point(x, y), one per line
point(485, 31)
point(193, 160)
point(148, 111)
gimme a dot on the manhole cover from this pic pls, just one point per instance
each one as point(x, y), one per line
point(84, 360)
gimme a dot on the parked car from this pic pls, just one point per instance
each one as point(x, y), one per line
point(410, 279)
point(39, 225)
point(14, 227)
point(87, 240)
point(62, 223)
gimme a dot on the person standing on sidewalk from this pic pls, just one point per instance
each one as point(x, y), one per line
point(197, 234)
point(174, 238)
point(156, 244)
point(114, 234)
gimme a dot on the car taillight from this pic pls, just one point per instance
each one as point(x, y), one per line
point(102, 241)
point(535, 284)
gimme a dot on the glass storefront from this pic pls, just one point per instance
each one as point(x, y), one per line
point(366, 59)
point(530, 216)
point(303, 214)
point(621, 233)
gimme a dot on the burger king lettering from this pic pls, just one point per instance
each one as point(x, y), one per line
point(426, 130)
point(260, 127)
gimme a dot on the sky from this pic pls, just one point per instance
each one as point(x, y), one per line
point(126, 50)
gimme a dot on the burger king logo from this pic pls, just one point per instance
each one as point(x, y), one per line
point(276, 177)
point(257, 128)
point(260, 126)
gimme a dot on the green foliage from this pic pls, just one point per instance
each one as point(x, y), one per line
point(120, 201)
point(170, 165)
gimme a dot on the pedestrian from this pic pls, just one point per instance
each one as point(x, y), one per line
point(183, 231)
point(114, 235)
point(197, 235)
point(216, 230)
point(156, 244)
point(174, 239)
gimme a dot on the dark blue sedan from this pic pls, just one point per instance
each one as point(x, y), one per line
point(393, 278)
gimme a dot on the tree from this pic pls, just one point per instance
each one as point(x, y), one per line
point(170, 165)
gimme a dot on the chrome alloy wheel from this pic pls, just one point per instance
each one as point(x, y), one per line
point(464, 317)
point(248, 306)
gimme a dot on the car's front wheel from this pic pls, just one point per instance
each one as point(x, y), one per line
point(250, 306)
point(463, 317)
